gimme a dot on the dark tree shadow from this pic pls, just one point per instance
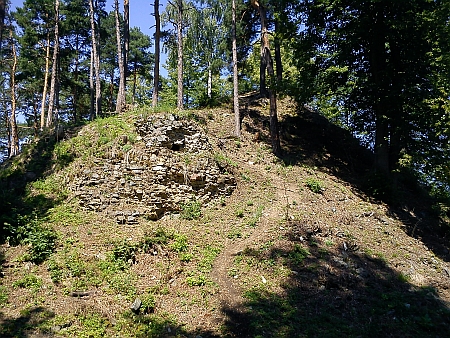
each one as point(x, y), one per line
point(309, 138)
point(336, 294)
point(27, 324)
point(36, 161)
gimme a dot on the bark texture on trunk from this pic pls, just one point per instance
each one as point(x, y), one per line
point(157, 55)
point(14, 134)
point(95, 65)
point(266, 59)
point(53, 85)
point(264, 45)
point(126, 39)
point(44, 91)
point(237, 116)
point(120, 102)
point(180, 105)
point(2, 19)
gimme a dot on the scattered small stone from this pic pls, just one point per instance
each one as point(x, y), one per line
point(263, 280)
point(448, 271)
point(136, 305)
point(80, 293)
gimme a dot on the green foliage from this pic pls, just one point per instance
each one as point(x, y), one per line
point(298, 254)
point(29, 281)
point(28, 230)
point(191, 210)
point(148, 303)
point(160, 236)
point(180, 243)
point(3, 295)
point(223, 161)
point(93, 326)
point(124, 251)
point(315, 185)
point(199, 280)
point(256, 216)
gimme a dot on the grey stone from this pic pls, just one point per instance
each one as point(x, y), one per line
point(136, 305)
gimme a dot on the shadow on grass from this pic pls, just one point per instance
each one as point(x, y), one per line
point(308, 138)
point(19, 210)
point(339, 294)
point(26, 324)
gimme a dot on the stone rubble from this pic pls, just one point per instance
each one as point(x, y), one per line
point(172, 163)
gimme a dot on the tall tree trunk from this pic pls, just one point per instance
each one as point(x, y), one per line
point(120, 102)
point(237, 116)
point(180, 54)
point(14, 144)
point(53, 85)
point(377, 59)
point(91, 87)
point(96, 62)
point(2, 19)
point(134, 78)
point(75, 88)
point(209, 89)
point(157, 55)
point(264, 44)
point(277, 47)
point(126, 39)
point(44, 91)
point(266, 58)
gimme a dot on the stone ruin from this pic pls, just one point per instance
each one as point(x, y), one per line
point(171, 163)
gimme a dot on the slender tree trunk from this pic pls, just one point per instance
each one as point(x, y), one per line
point(377, 59)
point(237, 116)
point(53, 85)
point(44, 92)
point(134, 79)
point(120, 102)
point(111, 91)
point(277, 47)
point(209, 89)
point(96, 63)
point(126, 40)
point(264, 44)
point(14, 144)
point(91, 86)
point(75, 89)
point(2, 19)
point(157, 55)
point(180, 54)
point(271, 92)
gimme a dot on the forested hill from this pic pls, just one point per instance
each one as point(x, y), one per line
point(164, 224)
point(287, 176)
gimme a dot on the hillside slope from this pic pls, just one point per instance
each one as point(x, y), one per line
point(295, 249)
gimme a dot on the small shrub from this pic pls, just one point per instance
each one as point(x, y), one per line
point(315, 185)
point(124, 251)
point(160, 236)
point(148, 303)
point(185, 257)
point(43, 244)
point(3, 295)
point(180, 244)
point(29, 281)
point(191, 210)
point(240, 213)
point(199, 280)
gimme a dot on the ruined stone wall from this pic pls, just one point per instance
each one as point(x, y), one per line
point(171, 163)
